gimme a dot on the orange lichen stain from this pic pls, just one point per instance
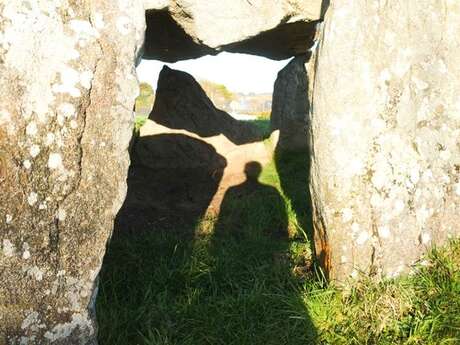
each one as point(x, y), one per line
point(322, 249)
point(3, 166)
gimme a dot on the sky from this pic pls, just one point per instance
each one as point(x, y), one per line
point(238, 72)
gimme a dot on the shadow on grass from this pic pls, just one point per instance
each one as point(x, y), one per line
point(293, 168)
point(231, 283)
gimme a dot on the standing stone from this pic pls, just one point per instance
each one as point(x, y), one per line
point(386, 134)
point(68, 86)
point(290, 105)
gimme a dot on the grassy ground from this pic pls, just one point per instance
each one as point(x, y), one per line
point(245, 278)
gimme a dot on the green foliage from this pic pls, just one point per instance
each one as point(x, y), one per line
point(145, 99)
point(139, 121)
point(215, 91)
point(145, 89)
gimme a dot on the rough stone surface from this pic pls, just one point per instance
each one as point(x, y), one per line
point(68, 86)
point(181, 103)
point(290, 105)
point(192, 28)
point(386, 133)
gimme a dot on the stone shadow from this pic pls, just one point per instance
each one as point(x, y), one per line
point(293, 168)
point(170, 175)
point(181, 103)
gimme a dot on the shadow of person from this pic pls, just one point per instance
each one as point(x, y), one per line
point(252, 268)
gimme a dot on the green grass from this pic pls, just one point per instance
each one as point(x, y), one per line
point(420, 309)
point(245, 278)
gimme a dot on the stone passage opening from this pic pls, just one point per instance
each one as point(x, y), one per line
point(195, 141)
point(211, 185)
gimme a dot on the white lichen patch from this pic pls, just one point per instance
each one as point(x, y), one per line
point(420, 84)
point(35, 273)
point(99, 21)
point(8, 219)
point(5, 118)
point(27, 164)
point(123, 25)
point(35, 53)
point(31, 129)
point(84, 31)
point(376, 200)
point(34, 150)
point(384, 231)
point(457, 189)
point(69, 80)
point(425, 238)
point(385, 76)
point(399, 206)
point(355, 227)
point(31, 320)
point(54, 161)
point(347, 215)
point(414, 175)
point(7, 122)
point(26, 251)
point(64, 330)
point(363, 237)
point(32, 198)
point(8, 248)
point(61, 215)
point(379, 179)
point(49, 139)
point(86, 79)
point(445, 155)
point(422, 214)
point(66, 110)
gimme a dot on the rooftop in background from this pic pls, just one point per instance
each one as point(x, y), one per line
point(238, 72)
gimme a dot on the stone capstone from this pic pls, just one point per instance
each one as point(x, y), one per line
point(290, 105)
point(181, 103)
point(184, 29)
point(68, 86)
point(386, 134)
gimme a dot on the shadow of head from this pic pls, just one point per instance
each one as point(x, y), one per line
point(253, 170)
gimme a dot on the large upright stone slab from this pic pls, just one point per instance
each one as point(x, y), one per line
point(67, 85)
point(290, 105)
point(386, 134)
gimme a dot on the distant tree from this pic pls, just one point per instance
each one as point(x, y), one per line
point(145, 89)
point(218, 93)
point(144, 101)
